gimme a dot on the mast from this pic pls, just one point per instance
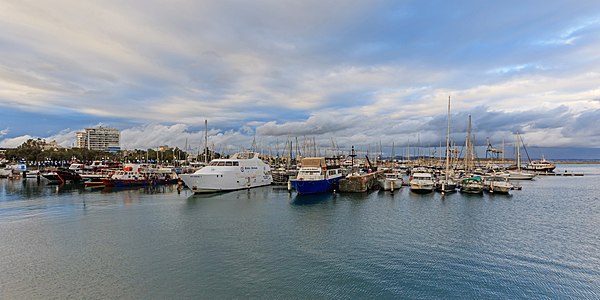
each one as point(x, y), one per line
point(518, 154)
point(448, 143)
point(206, 141)
point(468, 147)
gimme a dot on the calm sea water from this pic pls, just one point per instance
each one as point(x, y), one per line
point(70, 242)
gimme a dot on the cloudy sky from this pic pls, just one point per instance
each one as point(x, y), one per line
point(358, 72)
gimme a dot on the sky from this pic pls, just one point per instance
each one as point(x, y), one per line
point(347, 72)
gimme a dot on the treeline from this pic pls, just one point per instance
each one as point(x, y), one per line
point(33, 151)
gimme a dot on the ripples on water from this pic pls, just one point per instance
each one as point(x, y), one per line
point(541, 242)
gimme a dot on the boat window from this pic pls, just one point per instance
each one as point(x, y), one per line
point(235, 163)
point(221, 163)
point(228, 163)
point(213, 163)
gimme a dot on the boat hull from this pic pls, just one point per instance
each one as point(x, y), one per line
point(388, 184)
point(68, 175)
point(446, 187)
point(136, 182)
point(315, 186)
point(472, 189)
point(213, 182)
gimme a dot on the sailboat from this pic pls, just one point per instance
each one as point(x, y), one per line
point(447, 185)
point(474, 184)
point(518, 174)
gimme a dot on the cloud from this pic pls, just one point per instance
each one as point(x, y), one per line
point(354, 71)
point(14, 142)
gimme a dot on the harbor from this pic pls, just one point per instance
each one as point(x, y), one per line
point(157, 241)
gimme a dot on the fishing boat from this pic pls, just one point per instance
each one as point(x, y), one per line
point(315, 176)
point(472, 185)
point(243, 170)
point(421, 182)
point(497, 184)
point(140, 175)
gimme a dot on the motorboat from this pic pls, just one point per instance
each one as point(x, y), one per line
point(472, 185)
point(421, 182)
point(242, 170)
point(497, 184)
point(391, 181)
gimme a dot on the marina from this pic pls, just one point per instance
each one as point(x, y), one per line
point(264, 242)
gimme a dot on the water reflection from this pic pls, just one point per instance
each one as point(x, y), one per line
point(312, 199)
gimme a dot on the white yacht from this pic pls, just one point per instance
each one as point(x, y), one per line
point(392, 180)
point(497, 184)
point(421, 182)
point(243, 170)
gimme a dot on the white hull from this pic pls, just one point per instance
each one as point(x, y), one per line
point(516, 175)
point(210, 183)
point(388, 184)
point(499, 188)
point(422, 183)
point(242, 171)
point(5, 173)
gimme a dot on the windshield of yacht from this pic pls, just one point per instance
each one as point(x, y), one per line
point(309, 172)
point(222, 163)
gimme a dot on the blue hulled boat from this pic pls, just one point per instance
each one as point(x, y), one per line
point(315, 176)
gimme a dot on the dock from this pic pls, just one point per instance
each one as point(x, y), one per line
point(560, 174)
point(359, 183)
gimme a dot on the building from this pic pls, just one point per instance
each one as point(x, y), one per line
point(100, 139)
point(49, 145)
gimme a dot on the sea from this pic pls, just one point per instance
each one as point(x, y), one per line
point(71, 242)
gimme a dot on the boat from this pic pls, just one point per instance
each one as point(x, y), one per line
point(140, 175)
point(391, 181)
point(518, 174)
point(421, 182)
point(4, 173)
point(315, 176)
point(542, 166)
point(472, 185)
point(68, 175)
point(52, 176)
point(33, 174)
point(243, 170)
point(497, 184)
point(91, 179)
point(446, 185)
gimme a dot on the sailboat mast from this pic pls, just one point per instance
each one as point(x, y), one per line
point(448, 143)
point(206, 141)
point(468, 147)
point(518, 153)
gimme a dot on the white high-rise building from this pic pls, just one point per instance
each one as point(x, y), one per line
point(101, 139)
